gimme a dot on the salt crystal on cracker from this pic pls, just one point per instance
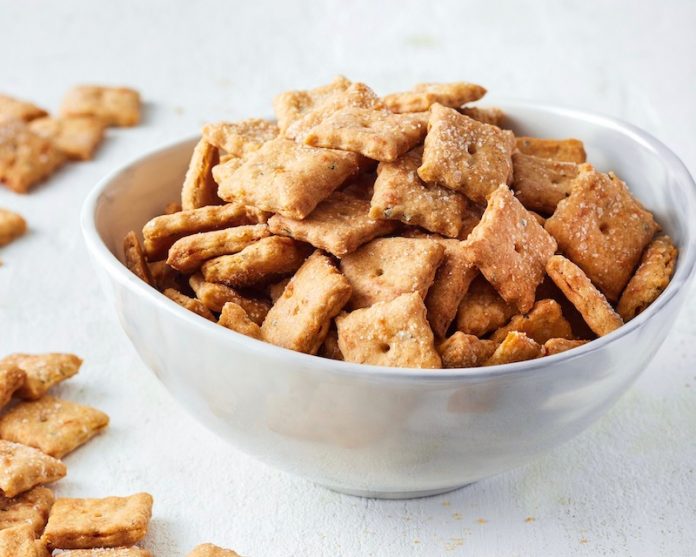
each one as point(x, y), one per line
point(200, 189)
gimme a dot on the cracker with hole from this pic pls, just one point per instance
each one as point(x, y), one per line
point(561, 150)
point(462, 350)
point(340, 224)
point(107, 552)
point(425, 95)
point(43, 371)
point(240, 138)
point(77, 136)
point(12, 226)
point(54, 426)
point(16, 109)
point(190, 252)
point(603, 229)
point(134, 258)
point(589, 301)
point(31, 508)
point(377, 134)
point(234, 317)
point(543, 322)
point(17, 541)
point(301, 317)
point(191, 304)
point(215, 296)
point(26, 158)
point(199, 188)
point(11, 378)
point(516, 347)
point(161, 232)
point(482, 310)
point(394, 333)
point(465, 155)
point(540, 184)
point(263, 261)
point(93, 523)
point(22, 468)
point(650, 279)
point(400, 194)
point(487, 115)
point(510, 249)
point(210, 550)
point(388, 267)
point(289, 178)
point(115, 106)
point(558, 345)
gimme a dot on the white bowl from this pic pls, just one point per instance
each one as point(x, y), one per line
point(379, 431)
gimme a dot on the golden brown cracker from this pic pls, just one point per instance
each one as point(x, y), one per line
point(510, 249)
point(425, 95)
point(377, 134)
point(22, 468)
point(134, 258)
point(11, 379)
point(516, 347)
point(240, 138)
point(12, 226)
point(471, 217)
point(400, 194)
point(544, 321)
point(164, 276)
point(562, 150)
point(329, 348)
point(115, 106)
point(650, 279)
point(26, 158)
point(43, 371)
point(462, 350)
point(603, 229)
point(31, 507)
point(107, 552)
point(210, 550)
point(17, 109)
point(395, 333)
point(540, 184)
point(92, 523)
point(589, 301)
point(191, 304)
point(482, 310)
point(340, 224)
point(488, 115)
point(215, 296)
point(465, 155)
point(55, 427)
point(388, 267)
point(558, 345)
point(17, 541)
point(300, 318)
point(263, 261)
point(77, 136)
point(288, 178)
point(200, 189)
point(234, 317)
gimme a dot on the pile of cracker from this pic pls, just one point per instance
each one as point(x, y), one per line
point(33, 145)
point(411, 230)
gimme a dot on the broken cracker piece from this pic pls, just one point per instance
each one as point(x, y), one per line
point(17, 541)
point(465, 155)
point(425, 95)
point(54, 426)
point(540, 184)
point(22, 468)
point(301, 317)
point(240, 138)
point(93, 523)
point(115, 106)
point(31, 507)
point(17, 109)
point(210, 550)
point(558, 345)
point(191, 304)
point(462, 350)
point(12, 226)
point(234, 317)
point(134, 258)
point(215, 296)
point(77, 136)
point(516, 347)
point(482, 309)
point(578, 288)
point(395, 333)
point(562, 150)
point(43, 371)
point(543, 322)
point(200, 189)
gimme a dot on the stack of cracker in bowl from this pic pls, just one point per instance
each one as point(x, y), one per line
point(411, 230)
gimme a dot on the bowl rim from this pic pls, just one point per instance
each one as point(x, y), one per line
point(685, 269)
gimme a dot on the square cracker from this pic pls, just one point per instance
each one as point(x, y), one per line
point(77, 136)
point(91, 523)
point(26, 158)
point(377, 134)
point(43, 371)
point(462, 350)
point(55, 427)
point(215, 296)
point(510, 249)
point(161, 232)
point(340, 224)
point(577, 287)
point(562, 150)
point(603, 229)
point(16, 109)
point(488, 115)
point(543, 322)
point(482, 310)
point(558, 345)
point(388, 267)
point(465, 155)
point(261, 262)
point(288, 178)
point(394, 334)
point(115, 106)
point(425, 95)
point(301, 317)
point(540, 184)
point(516, 347)
point(210, 550)
point(17, 541)
point(31, 507)
point(234, 317)
point(191, 304)
point(199, 188)
point(134, 258)
point(22, 468)
point(12, 226)
point(400, 194)
point(240, 138)
point(108, 552)
point(651, 278)
point(11, 379)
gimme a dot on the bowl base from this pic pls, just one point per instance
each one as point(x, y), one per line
point(393, 494)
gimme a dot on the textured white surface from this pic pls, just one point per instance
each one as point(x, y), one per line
point(625, 487)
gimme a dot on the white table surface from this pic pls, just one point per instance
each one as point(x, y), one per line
point(625, 487)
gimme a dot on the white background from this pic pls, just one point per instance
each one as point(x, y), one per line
point(625, 487)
